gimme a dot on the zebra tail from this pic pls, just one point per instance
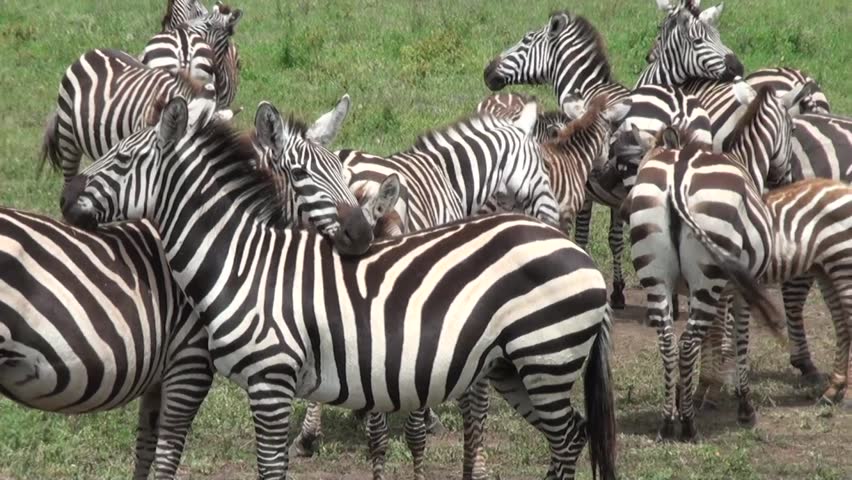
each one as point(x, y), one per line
point(748, 286)
point(50, 143)
point(600, 404)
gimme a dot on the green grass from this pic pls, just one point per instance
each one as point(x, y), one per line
point(410, 66)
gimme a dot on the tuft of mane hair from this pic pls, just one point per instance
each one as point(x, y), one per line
point(748, 117)
point(594, 109)
point(585, 30)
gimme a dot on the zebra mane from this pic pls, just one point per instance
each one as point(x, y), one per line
point(685, 137)
point(585, 30)
point(594, 109)
point(236, 155)
point(747, 118)
point(483, 119)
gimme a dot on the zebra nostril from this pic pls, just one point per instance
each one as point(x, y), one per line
point(733, 66)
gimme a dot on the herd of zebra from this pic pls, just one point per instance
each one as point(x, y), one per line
point(397, 283)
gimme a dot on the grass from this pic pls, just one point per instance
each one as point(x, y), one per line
point(410, 66)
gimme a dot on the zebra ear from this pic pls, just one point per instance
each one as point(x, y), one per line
point(268, 127)
point(643, 139)
point(528, 117)
point(615, 114)
point(173, 121)
point(712, 14)
point(558, 22)
point(328, 125)
point(669, 138)
point(743, 92)
point(665, 5)
point(792, 98)
point(387, 197)
point(573, 106)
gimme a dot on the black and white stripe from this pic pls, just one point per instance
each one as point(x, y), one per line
point(179, 12)
point(103, 97)
point(181, 51)
point(92, 321)
point(699, 216)
point(414, 323)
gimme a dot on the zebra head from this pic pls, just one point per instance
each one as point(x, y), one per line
point(179, 12)
point(528, 61)
point(523, 175)
point(763, 137)
point(315, 176)
point(689, 46)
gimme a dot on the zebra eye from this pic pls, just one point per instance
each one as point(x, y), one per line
point(298, 174)
point(697, 41)
point(122, 157)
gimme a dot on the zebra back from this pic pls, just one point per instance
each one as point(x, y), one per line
point(822, 147)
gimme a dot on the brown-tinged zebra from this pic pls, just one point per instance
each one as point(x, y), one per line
point(699, 216)
point(414, 322)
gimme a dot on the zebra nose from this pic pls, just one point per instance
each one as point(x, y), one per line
point(734, 68)
point(493, 80)
point(355, 234)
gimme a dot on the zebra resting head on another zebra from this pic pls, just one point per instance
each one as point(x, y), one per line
point(502, 298)
point(303, 161)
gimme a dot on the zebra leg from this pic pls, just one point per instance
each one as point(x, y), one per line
point(795, 294)
point(566, 439)
point(415, 438)
point(659, 315)
point(307, 442)
point(712, 376)
point(146, 432)
point(271, 403)
point(838, 305)
point(474, 408)
point(581, 232)
point(745, 410)
point(616, 247)
point(433, 422)
point(377, 441)
point(701, 316)
point(181, 399)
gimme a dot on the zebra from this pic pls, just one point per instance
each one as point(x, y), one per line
point(103, 97)
point(288, 316)
point(571, 149)
point(202, 45)
point(179, 12)
point(729, 233)
point(448, 175)
point(92, 321)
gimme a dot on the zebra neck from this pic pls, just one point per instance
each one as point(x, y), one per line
point(656, 73)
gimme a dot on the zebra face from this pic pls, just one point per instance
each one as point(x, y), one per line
point(691, 47)
point(528, 61)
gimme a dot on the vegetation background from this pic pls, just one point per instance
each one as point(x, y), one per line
point(411, 66)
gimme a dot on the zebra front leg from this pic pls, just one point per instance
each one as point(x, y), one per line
point(714, 358)
point(616, 247)
point(182, 396)
point(415, 438)
point(474, 408)
point(839, 305)
point(146, 432)
point(581, 232)
point(660, 315)
point(377, 442)
point(308, 441)
point(795, 294)
point(271, 405)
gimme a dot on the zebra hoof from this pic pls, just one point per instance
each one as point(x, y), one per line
point(616, 298)
point(304, 447)
point(811, 378)
point(747, 418)
point(688, 432)
point(666, 432)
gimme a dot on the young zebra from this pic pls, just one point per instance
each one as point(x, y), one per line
point(446, 176)
point(571, 149)
point(103, 97)
point(508, 298)
point(717, 197)
point(92, 321)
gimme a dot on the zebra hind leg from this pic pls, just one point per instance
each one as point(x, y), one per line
point(564, 428)
point(182, 396)
point(308, 441)
point(746, 415)
point(795, 294)
point(616, 247)
point(839, 304)
point(702, 314)
point(377, 441)
point(415, 438)
point(146, 432)
point(474, 407)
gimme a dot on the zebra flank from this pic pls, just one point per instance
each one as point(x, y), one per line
point(511, 299)
point(92, 321)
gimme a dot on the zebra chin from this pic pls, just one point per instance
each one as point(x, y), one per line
point(493, 79)
point(355, 234)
